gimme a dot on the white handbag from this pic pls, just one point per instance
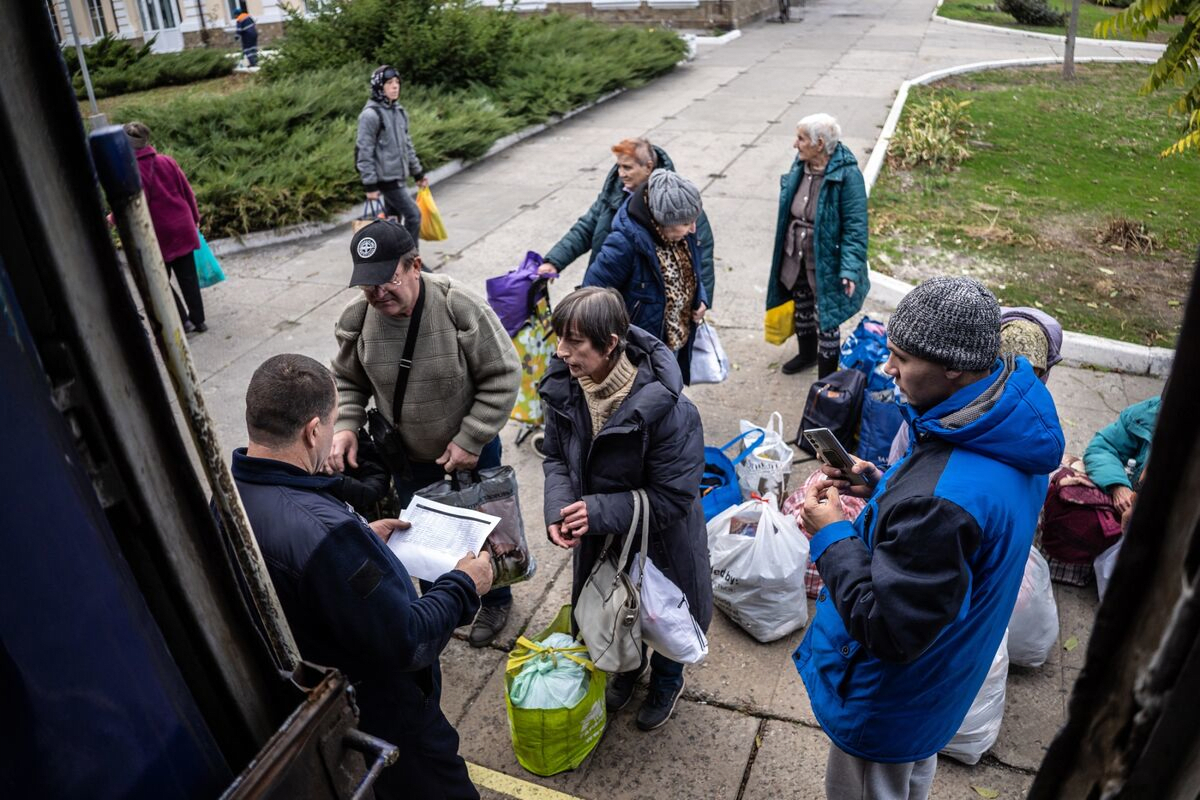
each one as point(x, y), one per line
point(709, 362)
point(667, 622)
point(608, 611)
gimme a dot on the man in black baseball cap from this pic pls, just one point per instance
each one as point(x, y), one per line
point(461, 381)
point(376, 250)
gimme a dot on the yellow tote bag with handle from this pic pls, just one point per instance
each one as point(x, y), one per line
point(432, 228)
point(779, 323)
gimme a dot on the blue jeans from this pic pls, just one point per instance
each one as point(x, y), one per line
point(423, 474)
point(663, 671)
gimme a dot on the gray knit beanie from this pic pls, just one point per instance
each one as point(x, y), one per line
point(954, 322)
point(673, 200)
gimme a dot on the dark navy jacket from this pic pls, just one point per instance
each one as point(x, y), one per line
point(655, 442)
point(348, 599)
point(628, 262)
point(589, 231)
point(919, 589)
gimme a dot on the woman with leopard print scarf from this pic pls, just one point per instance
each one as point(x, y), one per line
point(652, 258)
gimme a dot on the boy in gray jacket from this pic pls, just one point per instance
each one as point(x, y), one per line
point(384, 152)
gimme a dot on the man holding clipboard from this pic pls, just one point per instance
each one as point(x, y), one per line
point(348, 600)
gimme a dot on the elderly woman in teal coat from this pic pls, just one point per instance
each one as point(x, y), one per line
point(820, 259)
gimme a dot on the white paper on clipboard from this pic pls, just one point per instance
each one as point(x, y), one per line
point(440, 535)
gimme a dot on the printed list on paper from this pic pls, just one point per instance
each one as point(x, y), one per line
point(440, 535)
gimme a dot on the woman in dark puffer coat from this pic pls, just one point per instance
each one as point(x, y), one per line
point(616, 421)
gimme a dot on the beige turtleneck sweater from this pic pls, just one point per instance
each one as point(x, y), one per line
point(604, 398)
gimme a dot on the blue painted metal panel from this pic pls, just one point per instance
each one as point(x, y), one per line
point(93, 706)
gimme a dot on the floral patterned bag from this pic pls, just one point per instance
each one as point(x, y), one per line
point(535, 343)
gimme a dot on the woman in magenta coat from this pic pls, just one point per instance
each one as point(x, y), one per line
point(176, 219)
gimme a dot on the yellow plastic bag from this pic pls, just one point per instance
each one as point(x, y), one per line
point(432, 228)
point(549, 741)
point(779, 323)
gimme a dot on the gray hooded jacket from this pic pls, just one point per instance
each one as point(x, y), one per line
point(384, 151)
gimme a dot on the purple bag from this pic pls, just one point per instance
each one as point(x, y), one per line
point(508, 294)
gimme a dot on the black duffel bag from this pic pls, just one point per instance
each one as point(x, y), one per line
point(834, 402)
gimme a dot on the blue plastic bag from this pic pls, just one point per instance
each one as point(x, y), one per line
point(719, 486)
point(208, 269)
point(864, 350)
point(881, 419)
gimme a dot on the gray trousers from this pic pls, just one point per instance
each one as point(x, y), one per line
point(848, 777)
point(397, 202)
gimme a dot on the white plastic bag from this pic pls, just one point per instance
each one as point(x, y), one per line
point(758, 558)
point(979, 730)
point(1033, 627)
point(667, 622)
point(550, 679)
point(766, 469)
point(1104, 564)
point(709, 362)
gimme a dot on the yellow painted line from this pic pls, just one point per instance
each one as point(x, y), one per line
point(509, 786)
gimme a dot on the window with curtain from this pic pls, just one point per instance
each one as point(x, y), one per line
point(96, 12)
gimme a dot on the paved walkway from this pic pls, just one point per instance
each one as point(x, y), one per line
point(745, 729)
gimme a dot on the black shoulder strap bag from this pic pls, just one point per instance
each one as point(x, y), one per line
point(386, 435)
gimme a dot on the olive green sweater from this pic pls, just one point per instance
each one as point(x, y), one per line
point(464, 378)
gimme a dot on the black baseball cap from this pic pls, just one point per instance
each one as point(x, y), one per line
point(376, 250)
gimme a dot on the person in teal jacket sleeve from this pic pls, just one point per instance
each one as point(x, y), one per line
point(636, 159)
point(820, 261)
point(1114, 446)
point(920, 587)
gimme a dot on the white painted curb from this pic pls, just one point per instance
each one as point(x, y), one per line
point(1053, 37)
point(1078, 349)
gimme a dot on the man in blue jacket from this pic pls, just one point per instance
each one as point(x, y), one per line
point(919, 589)
point(349, 601)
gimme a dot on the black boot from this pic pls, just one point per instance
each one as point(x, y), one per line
point(806, 357)
point(826, 366)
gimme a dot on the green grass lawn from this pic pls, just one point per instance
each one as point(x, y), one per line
point(1052, 163)
point(1089, 17)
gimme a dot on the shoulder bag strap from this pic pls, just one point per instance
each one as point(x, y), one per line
point(628, 544)
point(410, 344)
point(645, 536)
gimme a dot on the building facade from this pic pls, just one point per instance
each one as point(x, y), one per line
point(170, 25)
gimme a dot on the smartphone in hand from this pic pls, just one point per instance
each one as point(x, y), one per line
point(830, 451)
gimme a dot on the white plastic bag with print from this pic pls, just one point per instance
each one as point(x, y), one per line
point(667, 622)
point(758, 557)
point(766, 469)
point(979, 730)
point(1033, 627)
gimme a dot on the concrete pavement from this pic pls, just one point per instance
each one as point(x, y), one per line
point(745, 729)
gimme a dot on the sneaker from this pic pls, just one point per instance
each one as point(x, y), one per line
point(619, 690)
point(188, 327)
point(658, 706)
point(200, 327)
point(488, 623)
